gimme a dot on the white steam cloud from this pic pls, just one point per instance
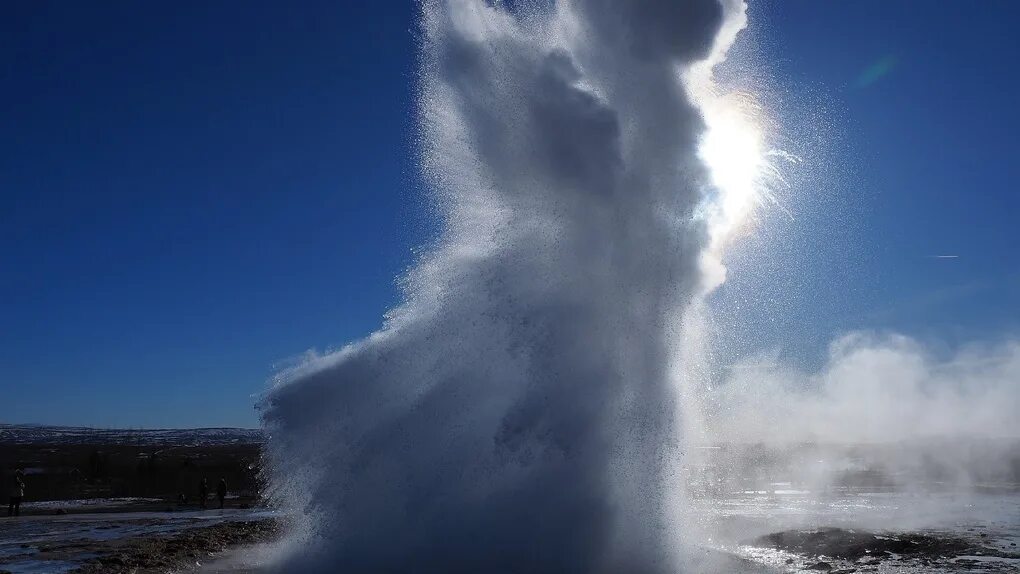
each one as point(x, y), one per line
point(874, 388)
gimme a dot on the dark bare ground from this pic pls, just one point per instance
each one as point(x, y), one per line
point(103, 470)
point(856, 544)
point(829, 549)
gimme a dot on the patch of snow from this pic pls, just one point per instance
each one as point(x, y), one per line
point(40, 434)
point(87, 502)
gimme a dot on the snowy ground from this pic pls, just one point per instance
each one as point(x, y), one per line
point(85, 503)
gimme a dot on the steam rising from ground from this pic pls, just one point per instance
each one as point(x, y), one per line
point(884, 413)
point(875, 388)
point(519, 413)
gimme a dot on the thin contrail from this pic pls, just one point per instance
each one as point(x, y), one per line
point(944, 256)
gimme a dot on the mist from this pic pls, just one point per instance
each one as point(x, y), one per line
point(523, 395)
point(884, 410)
point(875, 388)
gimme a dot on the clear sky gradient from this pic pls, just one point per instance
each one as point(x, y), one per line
point(195, 191)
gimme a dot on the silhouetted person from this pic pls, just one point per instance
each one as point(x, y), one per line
point(221, 491)
point(17, 493)
point(203, 492)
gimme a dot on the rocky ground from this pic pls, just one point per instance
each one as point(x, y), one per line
point(837, 550)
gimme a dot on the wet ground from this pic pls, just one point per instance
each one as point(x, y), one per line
point(125, 541)
point(884, 532)
point(762, 531)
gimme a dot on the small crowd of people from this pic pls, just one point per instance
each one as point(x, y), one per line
point(203, 492)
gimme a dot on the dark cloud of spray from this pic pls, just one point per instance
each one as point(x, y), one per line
point(517, 412)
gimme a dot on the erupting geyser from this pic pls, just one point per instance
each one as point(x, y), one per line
point(521, 411)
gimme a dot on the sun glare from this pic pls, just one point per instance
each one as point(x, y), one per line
point(741, 166)
point(734, 151)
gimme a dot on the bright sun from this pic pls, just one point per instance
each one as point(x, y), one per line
point(733, 149)
point(736, 152)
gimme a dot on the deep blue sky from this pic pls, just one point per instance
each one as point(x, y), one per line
point(195, 191)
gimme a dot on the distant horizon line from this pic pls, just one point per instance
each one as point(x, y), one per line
point(131, 428)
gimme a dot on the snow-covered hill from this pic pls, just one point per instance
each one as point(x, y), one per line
point(39, 434)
